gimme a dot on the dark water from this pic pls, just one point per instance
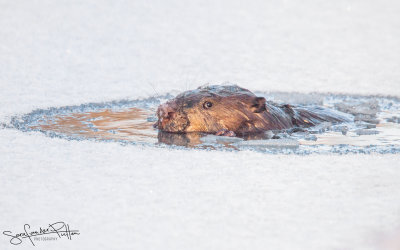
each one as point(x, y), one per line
point(376, 126)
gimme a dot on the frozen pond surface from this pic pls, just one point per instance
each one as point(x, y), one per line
point(67, 53)
point(376, 126)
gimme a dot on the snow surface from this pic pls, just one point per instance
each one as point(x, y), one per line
point(55, 53)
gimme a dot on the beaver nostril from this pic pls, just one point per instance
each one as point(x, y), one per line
point(166, 111)
point(170, 115)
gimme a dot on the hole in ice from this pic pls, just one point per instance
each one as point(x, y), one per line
point(376, 126)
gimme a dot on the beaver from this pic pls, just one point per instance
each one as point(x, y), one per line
point(230, 110)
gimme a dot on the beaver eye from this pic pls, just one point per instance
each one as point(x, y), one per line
point(207, 105)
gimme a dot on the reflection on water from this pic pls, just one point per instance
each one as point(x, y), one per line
point(130, 125)
point(186, 140)
point(376, 127)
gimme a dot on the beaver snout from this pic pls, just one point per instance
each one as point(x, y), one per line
point(170, 118)
point(166, 111)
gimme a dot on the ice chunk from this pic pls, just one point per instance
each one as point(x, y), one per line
point(320, 128)
point(284, 143)
point(311, 138)
point(369, 108)
point(219, 139)
point(342, 129)
point(366, 118)
point(366, 132)
point(394, 119)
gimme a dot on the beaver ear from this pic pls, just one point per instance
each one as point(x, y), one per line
point(258, 105)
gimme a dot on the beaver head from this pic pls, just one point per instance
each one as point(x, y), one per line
point(211, 109)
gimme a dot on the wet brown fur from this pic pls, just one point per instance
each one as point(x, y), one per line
point(233, 109)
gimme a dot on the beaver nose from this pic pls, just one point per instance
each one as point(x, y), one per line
point(168, 115)
point(166, 111)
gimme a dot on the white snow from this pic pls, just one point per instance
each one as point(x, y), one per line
point(55, 53)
